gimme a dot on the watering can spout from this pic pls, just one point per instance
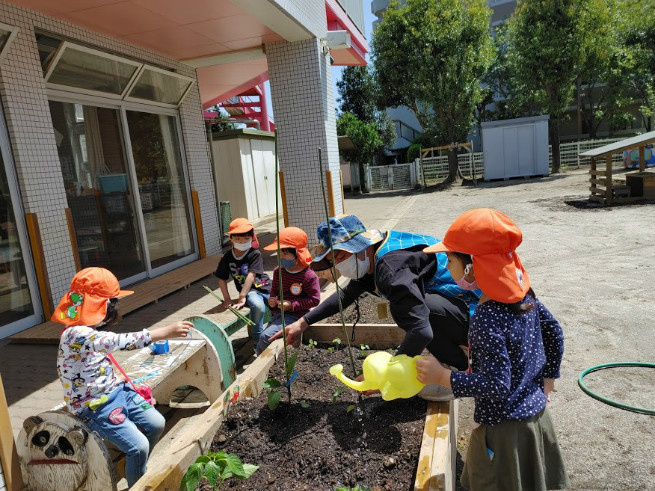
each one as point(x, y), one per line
point(337, 371)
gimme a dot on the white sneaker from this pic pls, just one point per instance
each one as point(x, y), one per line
point(436, 392)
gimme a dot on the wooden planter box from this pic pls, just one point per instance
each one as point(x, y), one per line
point(436, 467)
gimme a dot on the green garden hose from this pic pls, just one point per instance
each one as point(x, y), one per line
point(610, 401)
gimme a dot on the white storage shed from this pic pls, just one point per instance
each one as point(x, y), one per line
point(515, 147)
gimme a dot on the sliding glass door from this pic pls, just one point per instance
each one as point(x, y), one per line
point(155, 144)
point(98, 187)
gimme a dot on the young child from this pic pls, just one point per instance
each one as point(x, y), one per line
point(299, 283)
point(92, 390)
point(244, 263)
point(515, 351)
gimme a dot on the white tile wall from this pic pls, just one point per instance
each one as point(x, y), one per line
point(301, 91)
point(25, 103)
point(3, 486)
point(310, 13)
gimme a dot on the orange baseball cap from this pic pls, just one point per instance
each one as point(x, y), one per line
point(241, 226)
point(293, 238)
point(491, 238)
point(86, 302)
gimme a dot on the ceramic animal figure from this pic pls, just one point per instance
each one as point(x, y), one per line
point(393, 376)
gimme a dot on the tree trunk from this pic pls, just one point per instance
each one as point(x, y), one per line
point(453, 165)
point(554, 141)
point(362, 179)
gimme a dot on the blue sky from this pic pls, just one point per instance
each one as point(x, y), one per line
point(336, 70)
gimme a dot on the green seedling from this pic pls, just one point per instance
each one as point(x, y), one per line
point(276, 387)
point(311, 344)
point(330, 349)
point(216, 467)
point(359, 487)
point(337, 393)
point(362, 353)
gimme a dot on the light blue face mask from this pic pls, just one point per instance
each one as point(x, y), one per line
point(287, 263)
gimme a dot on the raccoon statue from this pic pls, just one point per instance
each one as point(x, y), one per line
point(59, 453)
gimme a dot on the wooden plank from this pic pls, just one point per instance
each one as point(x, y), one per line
point(608, 176)
point(8, 456)
point(145, 293)
point(165, 470)
point(283, 195)
point(438, 454)
point(376, 336)
point(598, 191)
point(71, 233)
point(330, 192)
point(202, 252)
point(38, 255)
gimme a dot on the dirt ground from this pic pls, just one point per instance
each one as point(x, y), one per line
point(319, 441)
point(593, 267)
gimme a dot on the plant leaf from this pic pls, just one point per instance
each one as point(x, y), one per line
point(192, 477)
point(337, 393)
point(350, 408)
point(272, 383)
point(249, 470)
point(203, 459)
point(235, 466)
point(291, 362)
point(212, 473)
point(304, 404)
point(274, 399)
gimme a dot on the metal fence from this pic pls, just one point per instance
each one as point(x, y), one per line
point(407, 176)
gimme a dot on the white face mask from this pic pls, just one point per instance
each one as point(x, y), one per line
point(242, 246)
point(353, 267)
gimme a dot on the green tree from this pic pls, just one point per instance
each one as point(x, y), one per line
point(429, 55)
point(357, 93)
point(365, 138)
point(605, 69)
point(545, 47)
point(638, 32)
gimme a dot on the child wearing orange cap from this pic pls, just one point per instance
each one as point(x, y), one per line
point(515, 352)
point(244, 263)
point(92, 390)
point(300, 286)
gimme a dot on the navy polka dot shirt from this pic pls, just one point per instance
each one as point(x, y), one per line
point(510, 356)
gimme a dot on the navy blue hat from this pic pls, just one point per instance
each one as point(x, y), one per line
point(348, 234)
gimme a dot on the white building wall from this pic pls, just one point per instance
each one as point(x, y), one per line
point(25, 103)
point(301, 90)
point(309, 13)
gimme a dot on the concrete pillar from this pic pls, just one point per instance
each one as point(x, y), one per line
point(303, 102)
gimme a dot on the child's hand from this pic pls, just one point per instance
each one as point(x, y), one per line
point(226, 303)
point(272, 302)
point(430, 371)
point(240, 303)
point(176, 330)
point(287, 305)
point(549, 386)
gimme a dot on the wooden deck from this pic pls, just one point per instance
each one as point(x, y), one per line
point(146, 292)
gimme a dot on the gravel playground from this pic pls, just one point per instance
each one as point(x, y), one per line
point(594, 268)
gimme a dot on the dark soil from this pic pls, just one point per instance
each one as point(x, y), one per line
point(324, 445)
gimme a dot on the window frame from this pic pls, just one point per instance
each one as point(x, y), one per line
point(128, 98)
point(13, 31)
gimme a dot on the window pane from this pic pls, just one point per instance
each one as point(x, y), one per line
point(158, 161)
point(15, 300)
point(4, 35)
point(90, 71)
point(98, 190)
point(159, 87)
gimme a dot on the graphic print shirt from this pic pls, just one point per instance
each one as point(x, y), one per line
point(84, 369)
point(239, 268)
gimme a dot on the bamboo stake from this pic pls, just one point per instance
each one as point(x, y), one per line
point(230, 308)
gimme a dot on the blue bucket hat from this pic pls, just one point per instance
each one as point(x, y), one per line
point(348, 234)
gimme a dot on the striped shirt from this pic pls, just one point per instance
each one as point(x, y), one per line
point(300, 288)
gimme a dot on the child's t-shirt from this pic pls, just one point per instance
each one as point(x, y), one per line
point(301, 288)
point(239, 268)
point(84, 369)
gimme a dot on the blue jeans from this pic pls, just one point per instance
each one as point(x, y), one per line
point(130, 423)
point(274, 327)
point(257, 302)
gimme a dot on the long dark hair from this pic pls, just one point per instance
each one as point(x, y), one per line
point(516, 308)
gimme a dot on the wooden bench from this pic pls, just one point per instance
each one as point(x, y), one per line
point(93, 465)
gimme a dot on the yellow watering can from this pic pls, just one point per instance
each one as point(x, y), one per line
point(393, 376)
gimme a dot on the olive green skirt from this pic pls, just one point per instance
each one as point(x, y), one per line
point(515, 456)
